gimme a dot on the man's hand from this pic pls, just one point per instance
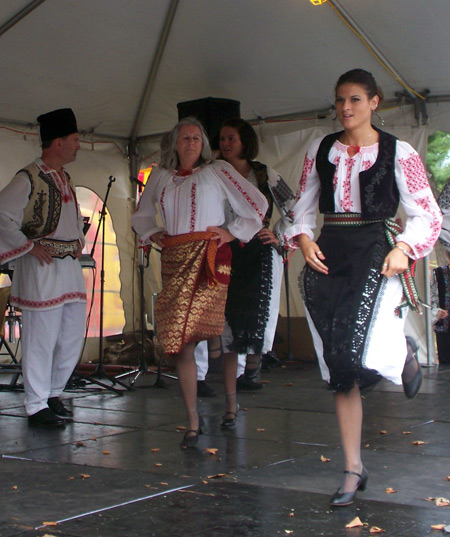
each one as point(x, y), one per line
point(42, 254)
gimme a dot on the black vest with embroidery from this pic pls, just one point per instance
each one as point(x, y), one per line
point(262, 178)
point(378, 190)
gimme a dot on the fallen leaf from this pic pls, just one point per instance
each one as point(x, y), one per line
point(79, 444)
point(49, 523)
point(291, 514)
point(15, 487)
point(289, 384)
point(48, 535)
point(438, 527)
point(94, 439)
point(155, 450)
point(324, 459)
point(215, 476)
point(244, 409)
point(383, 432)
point(390, 490)
point(406, 432)
point(418, 443)
point(211, 450)
point(442, 502)
point(289, 531)
point(355, 523)
point(84, 476)
point(148, 486)
point(264, 381)
point(105, 452)
point(164, 484)
point(260, 430)
point(376, 529)
point(157, 464)
point(429, 499)
point(205, 482)
point(71, 478)
point(181, 428)
point(448, 478)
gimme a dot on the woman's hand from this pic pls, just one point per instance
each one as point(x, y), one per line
point(158, 238)
point(267, 237)
point(396, 262)
point(312, 254)
point(442, 314)
point(221, 235)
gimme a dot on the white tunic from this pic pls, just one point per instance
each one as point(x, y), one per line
point(37, 287)
point(196, 201)
point(385, 349)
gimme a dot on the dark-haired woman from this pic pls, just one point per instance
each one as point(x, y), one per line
point(351, 284)
point(191, 192)
point(254, 292)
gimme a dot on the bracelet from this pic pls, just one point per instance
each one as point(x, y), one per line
point(403, 250)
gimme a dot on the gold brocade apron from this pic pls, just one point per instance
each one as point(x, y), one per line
point(195, 278)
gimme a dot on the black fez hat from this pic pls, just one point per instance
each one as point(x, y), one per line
point(57, 124)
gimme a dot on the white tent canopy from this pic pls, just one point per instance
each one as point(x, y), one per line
point(124, 65)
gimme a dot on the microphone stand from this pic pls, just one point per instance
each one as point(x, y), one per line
point(100, 372)
point(143, 366)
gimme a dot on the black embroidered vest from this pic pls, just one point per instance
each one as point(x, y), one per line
point(262, 178)
point(378, 190)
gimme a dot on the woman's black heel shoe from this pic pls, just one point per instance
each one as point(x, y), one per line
point(229, 418)
point(190, 438)
point(341, 499)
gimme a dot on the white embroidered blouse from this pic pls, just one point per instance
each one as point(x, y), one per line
point(196, 201)
point(423, 217)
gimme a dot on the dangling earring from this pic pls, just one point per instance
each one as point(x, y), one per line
point(380, 119)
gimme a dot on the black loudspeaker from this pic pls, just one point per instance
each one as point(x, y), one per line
point(211, 112)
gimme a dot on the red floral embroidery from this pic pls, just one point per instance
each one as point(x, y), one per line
point(347, 203)
point(366, 164)
point(193, 206)
point(243, 192)
point(336, 162)
point(307, 167)
point(161, 204)
point(34, 304)
point(416, 178)
point(435, 227)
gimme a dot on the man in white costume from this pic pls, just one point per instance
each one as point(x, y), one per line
point(42, 231)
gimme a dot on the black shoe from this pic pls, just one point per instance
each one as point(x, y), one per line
point(56, 406)
point(46, 419)
point(204, 390)
point(229, 419)
point(245, 383)
point(412, 386)
point(190, 438)
point(341, 499)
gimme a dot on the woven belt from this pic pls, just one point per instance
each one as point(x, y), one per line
point(347, 219)
point(60, 249)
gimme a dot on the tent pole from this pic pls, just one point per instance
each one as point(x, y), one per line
point(154, 69)
point(20, 15)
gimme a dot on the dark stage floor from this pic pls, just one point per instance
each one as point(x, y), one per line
point(118, 471)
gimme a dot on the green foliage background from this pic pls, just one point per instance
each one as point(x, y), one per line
point(438, 157)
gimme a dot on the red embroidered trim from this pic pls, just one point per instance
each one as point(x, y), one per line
point(12, 254)
point(244, 193)
point(67, 297)
point(193, 206)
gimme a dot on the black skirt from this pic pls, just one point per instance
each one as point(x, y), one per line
point(342, 303)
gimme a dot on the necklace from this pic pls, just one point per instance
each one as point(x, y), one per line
point(353, 150)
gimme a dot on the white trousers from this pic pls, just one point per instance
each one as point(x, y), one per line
point(51, 346)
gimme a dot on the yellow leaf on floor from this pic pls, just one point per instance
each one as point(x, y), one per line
point(442, 502)
point(324, 459)
point(438, 527)
point(376, 529)
point(390, 490)
point(355, 523)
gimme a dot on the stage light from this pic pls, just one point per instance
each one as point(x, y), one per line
point(317, 2)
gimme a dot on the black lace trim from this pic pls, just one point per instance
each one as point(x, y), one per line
point(249, 294)
point(346, 333)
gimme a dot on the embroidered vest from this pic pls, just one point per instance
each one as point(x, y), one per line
point(42, 212)
point(260, 171)
point(378, 190)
